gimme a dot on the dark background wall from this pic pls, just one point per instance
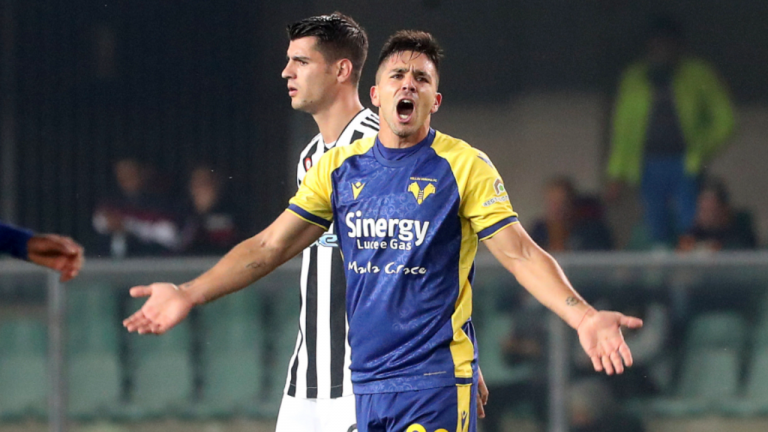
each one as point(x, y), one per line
point(499, 49)
point(183, 81)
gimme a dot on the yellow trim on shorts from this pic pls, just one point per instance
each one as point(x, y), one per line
point(463, 400)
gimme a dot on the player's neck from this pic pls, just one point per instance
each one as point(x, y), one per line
point(391, 140)
point(332, 120)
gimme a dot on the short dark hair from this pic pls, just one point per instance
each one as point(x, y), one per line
point(412, 40)
point(338, 36)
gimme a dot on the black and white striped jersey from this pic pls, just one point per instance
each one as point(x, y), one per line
point(319, 367)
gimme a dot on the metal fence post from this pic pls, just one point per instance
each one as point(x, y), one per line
point(559, 349)
point(8, 186)
point(57, 383)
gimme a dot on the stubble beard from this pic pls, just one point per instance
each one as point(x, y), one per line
point(303, 105)
point(402, 131)
point(399, 131)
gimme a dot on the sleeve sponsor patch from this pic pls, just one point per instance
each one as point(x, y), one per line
point(501, 194)
point(495, 200)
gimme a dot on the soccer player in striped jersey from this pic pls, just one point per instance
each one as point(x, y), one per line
point(325, 59)
point(411, 206)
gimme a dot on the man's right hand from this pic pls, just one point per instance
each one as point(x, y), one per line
point(166, 306)
point(246, 263)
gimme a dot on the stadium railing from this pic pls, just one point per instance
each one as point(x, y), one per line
point(65, 357)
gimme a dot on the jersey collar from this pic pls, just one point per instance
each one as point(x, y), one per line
point(413, 152)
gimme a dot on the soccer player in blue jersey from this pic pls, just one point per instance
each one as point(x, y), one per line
point(48, 250)
point(325, 58)
point(410, 206)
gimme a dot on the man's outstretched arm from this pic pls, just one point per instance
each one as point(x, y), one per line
point(246, 263)
point(56, 252)
point(599, 331)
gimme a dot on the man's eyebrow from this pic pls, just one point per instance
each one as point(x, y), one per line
point(297, 58)
point(416, 72)
point(402, 69)
point(399, 69)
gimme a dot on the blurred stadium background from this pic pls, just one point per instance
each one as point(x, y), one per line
point(174, 83)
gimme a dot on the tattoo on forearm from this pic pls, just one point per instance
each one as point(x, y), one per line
point(254, 265)
point(572, 301)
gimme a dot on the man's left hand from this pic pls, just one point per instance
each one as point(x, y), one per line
point(600, 336)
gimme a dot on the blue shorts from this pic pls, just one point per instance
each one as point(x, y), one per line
point(442, 409)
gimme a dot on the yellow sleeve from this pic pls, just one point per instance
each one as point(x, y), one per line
point(312, 201)
point(717, 104)
point(485, 202)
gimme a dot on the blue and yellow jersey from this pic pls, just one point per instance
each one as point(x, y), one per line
point(408, 230)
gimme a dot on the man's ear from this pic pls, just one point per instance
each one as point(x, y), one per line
point(343, 70)
point(375, 96)
point(438, 102)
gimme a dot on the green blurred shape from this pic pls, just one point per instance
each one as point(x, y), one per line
point(709, 379)
point(23, 335)
point(232, 354)
point(726, 330)
point(23, 368)
point(93, 321)
point(160, 370)
point(94, 384)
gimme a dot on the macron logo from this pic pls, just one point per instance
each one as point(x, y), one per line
point(357, 187)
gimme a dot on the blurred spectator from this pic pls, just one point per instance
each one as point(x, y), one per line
point(134, 221)
point(672, 115)
point(210, 227)
point(593, 408)
point(718, 226)
point(571, 222)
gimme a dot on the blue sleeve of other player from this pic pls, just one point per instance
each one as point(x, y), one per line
point(14, 240)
